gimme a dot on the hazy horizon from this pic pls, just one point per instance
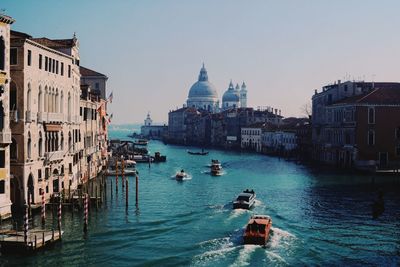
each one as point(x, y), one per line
point(152, 51)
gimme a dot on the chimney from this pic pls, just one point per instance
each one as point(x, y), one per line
point(276, 111)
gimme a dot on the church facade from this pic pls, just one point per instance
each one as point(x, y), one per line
point(203, 95)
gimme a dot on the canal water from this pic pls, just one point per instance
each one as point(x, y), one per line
point(319, 218)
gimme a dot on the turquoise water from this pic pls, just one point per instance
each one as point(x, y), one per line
point(318, 218)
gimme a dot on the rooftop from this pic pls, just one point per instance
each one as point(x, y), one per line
point(385, 95)
point(88, 72)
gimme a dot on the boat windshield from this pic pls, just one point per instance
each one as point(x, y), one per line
point(243, 198)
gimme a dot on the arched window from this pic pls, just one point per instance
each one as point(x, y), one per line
point(69, 106)
point(62, 142)
point(62, 103)
point(40, 101)
point(13, 96)
point(69, 141)
point(46, 100)
point(57, 109)
point(29, 146)
point(28, 98)
point(40, 145)
point(2, 54)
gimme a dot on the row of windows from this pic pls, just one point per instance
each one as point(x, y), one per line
point(50, 64)
point(251, 132)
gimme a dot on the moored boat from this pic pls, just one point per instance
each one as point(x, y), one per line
point(202, 153)
point(129, 169)
point(257, 230)
point(245, 200)
point(141, 142)
point(143, 158)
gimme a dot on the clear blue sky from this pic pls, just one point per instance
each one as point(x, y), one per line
point(152, 51)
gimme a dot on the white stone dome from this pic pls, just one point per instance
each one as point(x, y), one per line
point(230, 95)
point(203, 88)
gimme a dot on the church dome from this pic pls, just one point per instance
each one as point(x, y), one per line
point(230, 95)
point(203, 88)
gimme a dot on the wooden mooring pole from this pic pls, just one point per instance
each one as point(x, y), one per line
point(59, 216)
point(43, 211)
point(137, 189)
point(85, 220)
point(26, 224)
point(126, 194)
point(123, 171)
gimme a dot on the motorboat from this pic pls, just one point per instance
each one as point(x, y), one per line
point(141, 142)
point(159, 158)
point(215, 167)
point(143, 158)
point(257, 230)
point(202, 153)
point(245, 200)
point(129, 168)
point(180, 175)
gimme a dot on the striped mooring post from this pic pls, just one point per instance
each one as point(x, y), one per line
point(59, 217)
point(43, 211)
point(123, 171)
point(26, 224)
point(85, 219)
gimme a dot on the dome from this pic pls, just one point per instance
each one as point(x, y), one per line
point(203, 88)
point(230, 95)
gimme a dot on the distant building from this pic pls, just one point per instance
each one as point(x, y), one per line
point(5, 131)
point(151, 131)
point(355, 124)
point(177, 123)
point(251, 137)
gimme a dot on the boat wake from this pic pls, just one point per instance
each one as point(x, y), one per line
point(244, 255)
point(236, 213)
point(216, 249)
point(188, 177)
point(280, 238)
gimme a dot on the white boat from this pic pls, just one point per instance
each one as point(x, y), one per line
point(245, 200)
point(180, 175)
point(129, 169)
point(216, 167)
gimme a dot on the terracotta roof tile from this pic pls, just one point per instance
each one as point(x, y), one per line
point(88, 72)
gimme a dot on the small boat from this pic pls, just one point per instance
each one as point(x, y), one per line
point(202, 153)
point(180, 175)
point(141, 142)
point(215, 167)
point(257, 230)
point(245, 200)
point(158, 158)
point(129, 169)
point(143, 158)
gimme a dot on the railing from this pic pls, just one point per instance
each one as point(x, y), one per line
point(50, 117)
point(5, 136)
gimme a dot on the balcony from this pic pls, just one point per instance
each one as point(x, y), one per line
point(5, 136)
point(50, 117)
point(56, 155)
point(30, 116)
point(55, 117)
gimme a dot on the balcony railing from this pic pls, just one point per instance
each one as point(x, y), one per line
point(30, 116)
point(55, 155)
point(50, 117)
point(5, 136)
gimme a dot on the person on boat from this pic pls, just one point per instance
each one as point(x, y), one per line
point(182, 171)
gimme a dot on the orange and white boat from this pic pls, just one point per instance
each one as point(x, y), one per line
point(257, 230)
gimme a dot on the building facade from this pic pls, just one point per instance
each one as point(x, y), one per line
point(44, 106)
point(251, 137)
point(352, 129)
point(5, 131)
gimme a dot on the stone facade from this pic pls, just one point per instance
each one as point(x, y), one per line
point(5, 132)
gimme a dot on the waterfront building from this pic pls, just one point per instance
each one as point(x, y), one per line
point(251, 137)
point(278, 140)
point(177, 121)
point(5, 132)
point(151, 131)
point(350, 125)
point(93, 97)
point(202, 94)
point(96, 80)
point(44, 109)
point(92, 135)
